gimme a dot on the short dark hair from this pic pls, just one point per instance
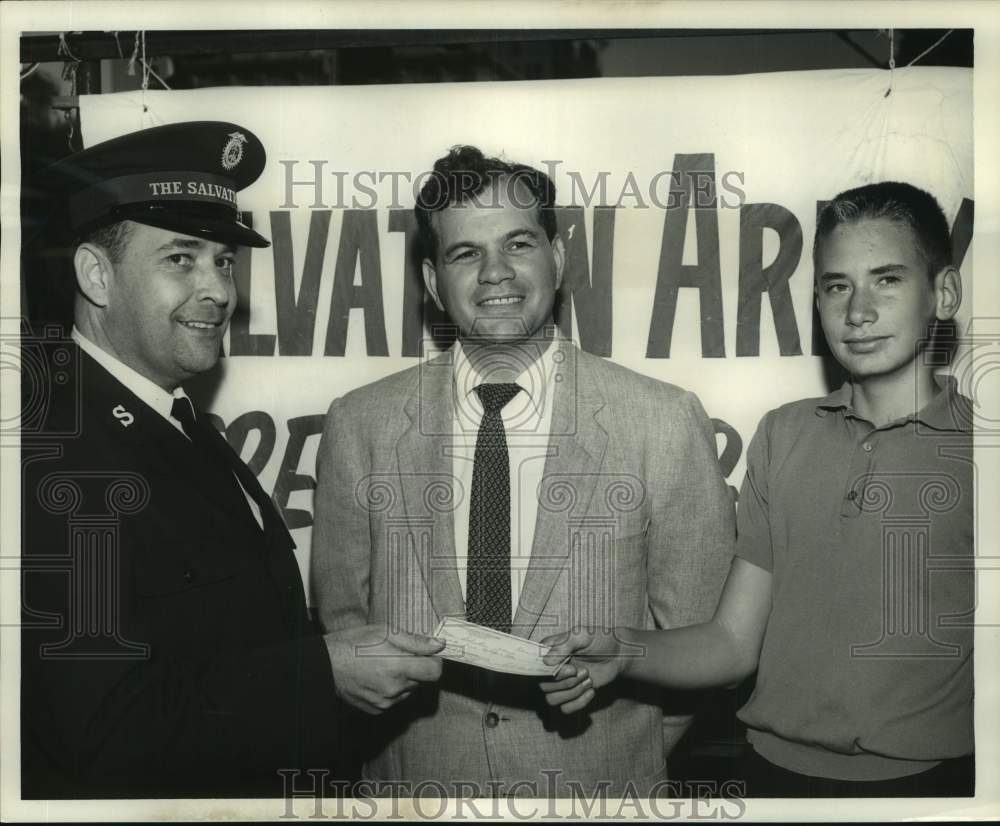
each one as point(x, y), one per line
point(896, 201)
point(113, 238)
point(463, 174)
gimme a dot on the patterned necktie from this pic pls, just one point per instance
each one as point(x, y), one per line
point(223, 461)
point(488, 600)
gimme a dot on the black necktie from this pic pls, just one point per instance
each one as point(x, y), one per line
point(488, 600)
point(222, 459)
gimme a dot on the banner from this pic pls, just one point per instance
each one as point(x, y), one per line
point(687, 206)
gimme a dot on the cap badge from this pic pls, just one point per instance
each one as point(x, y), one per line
point(232, 153)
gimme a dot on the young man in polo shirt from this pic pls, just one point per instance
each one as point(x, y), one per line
point(852, 591)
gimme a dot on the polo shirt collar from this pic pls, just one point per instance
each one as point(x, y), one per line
point(839, 399)
point(943, 412)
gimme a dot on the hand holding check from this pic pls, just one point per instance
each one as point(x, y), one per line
point(576, 684)
point(572, 686)
point(373, 669)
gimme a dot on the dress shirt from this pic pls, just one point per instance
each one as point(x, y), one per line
point(527, 422)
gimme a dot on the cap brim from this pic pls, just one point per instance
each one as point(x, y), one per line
point(222, 230)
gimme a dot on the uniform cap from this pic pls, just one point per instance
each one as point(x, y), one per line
point(182, 177)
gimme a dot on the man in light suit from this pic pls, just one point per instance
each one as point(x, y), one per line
point(607, 507)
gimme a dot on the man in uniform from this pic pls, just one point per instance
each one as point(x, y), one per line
point(166, 647)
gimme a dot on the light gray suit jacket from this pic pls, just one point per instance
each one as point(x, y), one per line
point(634, 527)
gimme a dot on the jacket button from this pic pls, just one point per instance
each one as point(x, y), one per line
point(189, 575)
point(492, 720)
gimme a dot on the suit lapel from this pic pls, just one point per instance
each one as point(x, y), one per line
point(134, 422)
point(166, 451)
point(577, 447)
point(425, 466)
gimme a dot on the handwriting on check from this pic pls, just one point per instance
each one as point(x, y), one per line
point(476, 645)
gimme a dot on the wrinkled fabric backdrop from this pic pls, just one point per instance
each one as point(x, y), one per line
point(688, 210)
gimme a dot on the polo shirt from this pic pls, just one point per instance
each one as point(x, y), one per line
point(866, 669)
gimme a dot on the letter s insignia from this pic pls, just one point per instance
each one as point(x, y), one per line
point(123, 416)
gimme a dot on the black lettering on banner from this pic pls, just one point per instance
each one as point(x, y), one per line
point(731, 452)
point(692, 190)
point(819, 345)
point(403, 220)
point(584, 290)
point(289, 479)
point(241, 341)
point(756, 279)
point(961, 231)
point(358, 242)
point(296, 317)
point(239, 431)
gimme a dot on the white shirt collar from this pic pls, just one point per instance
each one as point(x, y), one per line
point(148, 391)
point(537, 384)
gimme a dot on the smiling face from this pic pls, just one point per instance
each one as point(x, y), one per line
point(167, 302)
point(875, 297)
point(496, 272)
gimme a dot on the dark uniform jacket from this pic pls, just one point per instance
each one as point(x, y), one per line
point(166, 646)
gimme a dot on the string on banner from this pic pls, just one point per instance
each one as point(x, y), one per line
point(139, 53)
point(69, 71)
point(64, 50)
point(921, 56)
point(892, 61)
point(135, 55)
point(930, 48)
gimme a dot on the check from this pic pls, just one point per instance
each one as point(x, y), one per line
point(476, 645)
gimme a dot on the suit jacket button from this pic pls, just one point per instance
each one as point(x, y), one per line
point(189, 575)
point(492, 720)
